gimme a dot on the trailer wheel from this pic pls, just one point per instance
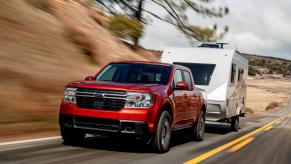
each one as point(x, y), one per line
point(234, 123)
point(199, 127)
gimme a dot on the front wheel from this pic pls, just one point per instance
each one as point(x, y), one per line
point(162, 137)
point(199, 127)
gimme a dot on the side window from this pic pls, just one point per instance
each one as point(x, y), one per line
point(177, 77)
point(188, 79)
point(240, 75)
point(233, 74)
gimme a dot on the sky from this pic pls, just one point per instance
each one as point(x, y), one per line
point(261, 27)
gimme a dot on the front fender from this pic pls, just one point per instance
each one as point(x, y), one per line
point(164, 102)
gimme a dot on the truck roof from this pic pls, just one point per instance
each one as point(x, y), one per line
point(144, 62)
point(154, 63)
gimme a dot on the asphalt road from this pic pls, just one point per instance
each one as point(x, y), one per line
point(261, 139)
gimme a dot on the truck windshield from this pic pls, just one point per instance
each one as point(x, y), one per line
point(201, 72)
point(135, 73)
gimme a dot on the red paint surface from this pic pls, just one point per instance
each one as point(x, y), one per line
point(185, 107)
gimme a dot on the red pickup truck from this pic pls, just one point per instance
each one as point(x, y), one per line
point(145, 99)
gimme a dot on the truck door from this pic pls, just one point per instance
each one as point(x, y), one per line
point(192, 97)
point(180, 100)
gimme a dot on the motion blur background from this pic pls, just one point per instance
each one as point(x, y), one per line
point(44, 44)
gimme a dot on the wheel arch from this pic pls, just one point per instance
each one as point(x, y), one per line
point(168, 106)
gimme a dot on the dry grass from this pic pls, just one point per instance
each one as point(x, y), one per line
point(262, 92)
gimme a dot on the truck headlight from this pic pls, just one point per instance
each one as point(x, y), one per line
point(138, 100)
point(70, 95)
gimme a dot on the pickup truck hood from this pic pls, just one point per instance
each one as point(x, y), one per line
point(113, 86)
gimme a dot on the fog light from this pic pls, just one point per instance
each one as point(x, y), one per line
point(128, 127)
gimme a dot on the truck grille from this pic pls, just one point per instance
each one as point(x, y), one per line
point(100, 99)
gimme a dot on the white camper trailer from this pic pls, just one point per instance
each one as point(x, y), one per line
point(221, 74)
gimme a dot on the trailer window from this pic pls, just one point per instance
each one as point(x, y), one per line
point(202, 73)
point(233, 74)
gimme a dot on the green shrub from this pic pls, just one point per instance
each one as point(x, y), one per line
point(249, 110)
point(272, 105)
point(43, 5)
point(252, 71)
point(125, 27)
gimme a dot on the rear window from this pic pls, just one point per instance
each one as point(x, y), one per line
point(202, 73)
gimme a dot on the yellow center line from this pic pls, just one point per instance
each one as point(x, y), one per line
point(241, 144)
point(268, 128)
point(227, 145)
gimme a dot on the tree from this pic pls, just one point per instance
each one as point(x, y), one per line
point(175, 14)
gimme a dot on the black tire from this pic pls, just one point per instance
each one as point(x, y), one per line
point(162, 137)
point(199, 127)
point(234, 123)
point(72, 136)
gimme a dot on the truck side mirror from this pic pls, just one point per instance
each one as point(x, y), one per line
point(89, 78)
point(181, 86)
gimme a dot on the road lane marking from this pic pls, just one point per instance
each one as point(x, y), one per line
point(241, 145)
point(268, 128)
point(219, 149)
point(28, 141)
point(282, 119)
point(278, 122)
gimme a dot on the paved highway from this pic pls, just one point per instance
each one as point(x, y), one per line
point(261, 139)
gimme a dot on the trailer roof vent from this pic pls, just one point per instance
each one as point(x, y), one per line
point(212, 45)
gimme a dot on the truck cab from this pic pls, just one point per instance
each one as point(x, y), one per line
point(147, 100)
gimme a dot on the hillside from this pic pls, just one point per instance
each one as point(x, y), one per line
point(262, 65)
point(268, 65)
point(44, 45)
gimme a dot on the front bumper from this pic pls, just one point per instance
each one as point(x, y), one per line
point(103, 126)
point(145, 116)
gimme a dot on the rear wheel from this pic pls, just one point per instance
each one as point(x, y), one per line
point(199, 127)
point(72, 136)
point(162, 137)
point(234, 123)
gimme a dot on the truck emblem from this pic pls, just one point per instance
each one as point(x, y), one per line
point(99, 95)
